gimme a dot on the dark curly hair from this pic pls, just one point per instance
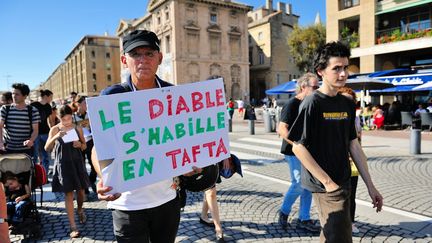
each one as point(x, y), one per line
point(325, 52)
point(24, 88)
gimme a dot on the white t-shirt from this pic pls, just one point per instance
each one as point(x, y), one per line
point(240, 103)
point(146, 197)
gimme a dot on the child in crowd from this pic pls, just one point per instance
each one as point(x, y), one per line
point(69, 170)
point(17, 196)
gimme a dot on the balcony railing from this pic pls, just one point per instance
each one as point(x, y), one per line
point(408, 31)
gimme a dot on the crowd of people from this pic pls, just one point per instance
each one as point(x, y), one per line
point(34, 129)
point(318, 127)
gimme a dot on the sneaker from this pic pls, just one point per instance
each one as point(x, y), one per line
point(355, 230)
point(283, 220)
point(309, 225)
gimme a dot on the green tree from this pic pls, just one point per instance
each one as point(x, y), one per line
point(303, 41)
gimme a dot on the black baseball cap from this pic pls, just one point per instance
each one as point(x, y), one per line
point(138, 38)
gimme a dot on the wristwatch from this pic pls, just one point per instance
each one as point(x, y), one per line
point(3, 220)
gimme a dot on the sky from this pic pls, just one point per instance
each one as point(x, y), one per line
point(36, 36)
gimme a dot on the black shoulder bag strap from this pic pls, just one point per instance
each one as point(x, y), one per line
point(30, 115)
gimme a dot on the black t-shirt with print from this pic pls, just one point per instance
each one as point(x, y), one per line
point(328, 125)
point(44, 112)
point(288, 115)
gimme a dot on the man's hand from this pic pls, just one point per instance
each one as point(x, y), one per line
point(330, 186)
point(2, 147)
point(28, 143)
point(377, 199)
point(101, 190)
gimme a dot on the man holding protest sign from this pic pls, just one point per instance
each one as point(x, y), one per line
point(150, 213)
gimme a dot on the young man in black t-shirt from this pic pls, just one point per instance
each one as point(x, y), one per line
point(328, 137)
point(45, 110)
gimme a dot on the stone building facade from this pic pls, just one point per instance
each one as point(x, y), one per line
point(271, 62)
point(200, 39)
point(92, 65)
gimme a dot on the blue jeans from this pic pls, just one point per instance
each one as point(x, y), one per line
point(39, 145)
point(296, 190)
point(16, 210)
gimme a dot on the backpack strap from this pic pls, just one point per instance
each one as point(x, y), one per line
point(30, 116)
point(7, 113)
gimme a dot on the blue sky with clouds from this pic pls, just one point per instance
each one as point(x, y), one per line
point(37, 35)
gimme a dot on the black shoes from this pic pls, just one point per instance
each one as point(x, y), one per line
point(283, 220)
point(309, 225)
point(220, 238)
point(205, 222)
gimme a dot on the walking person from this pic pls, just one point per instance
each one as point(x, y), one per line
point(348, 92)
point(230, 108)
point(6, 98)
point(70, 174)
point(150, 213)
point(44, 109)
point(305, 86)
point(80, 118)
point(327, 120)
point(19, 123)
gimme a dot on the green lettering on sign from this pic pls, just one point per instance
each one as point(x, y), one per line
point(127, 138)
point(221, 120)
point(144, 165)
point(154, 135)
point(128, 169)
point(179, 129)
point(122, 112)
point(167, 135)
point(210, 126)
point(105, 124)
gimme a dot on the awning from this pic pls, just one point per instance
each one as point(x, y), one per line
point(396, 89)
point(403, 6)
point(413, 79)
point(285, 88)
point(392, 72)
point(425, 86)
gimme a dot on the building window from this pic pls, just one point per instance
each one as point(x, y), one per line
point(94, 76)
point(159, 20)
point(213, 18)
point(93, 54)
point(94, 88)
point(167, 15)
point(260, 35)
point(167, 44)
point(108, 66)
point(109, 77)
point(94, 65)
point(260, 56)
point(107, 55)
point(215, 44)
point(192, 43)
point(349, 3)
point(235, 47)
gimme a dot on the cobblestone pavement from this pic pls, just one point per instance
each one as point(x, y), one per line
point(249, 205)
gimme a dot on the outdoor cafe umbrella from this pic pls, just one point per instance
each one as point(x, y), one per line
point(425, 86)
point(367, 83)
point(364, 83)
point(285, 88)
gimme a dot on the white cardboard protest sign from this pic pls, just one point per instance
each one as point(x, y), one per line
point(157, 134)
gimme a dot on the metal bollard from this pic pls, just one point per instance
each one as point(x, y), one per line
point(267, 121)
point(229, 125)
point(251, 127)
point(415, 141)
